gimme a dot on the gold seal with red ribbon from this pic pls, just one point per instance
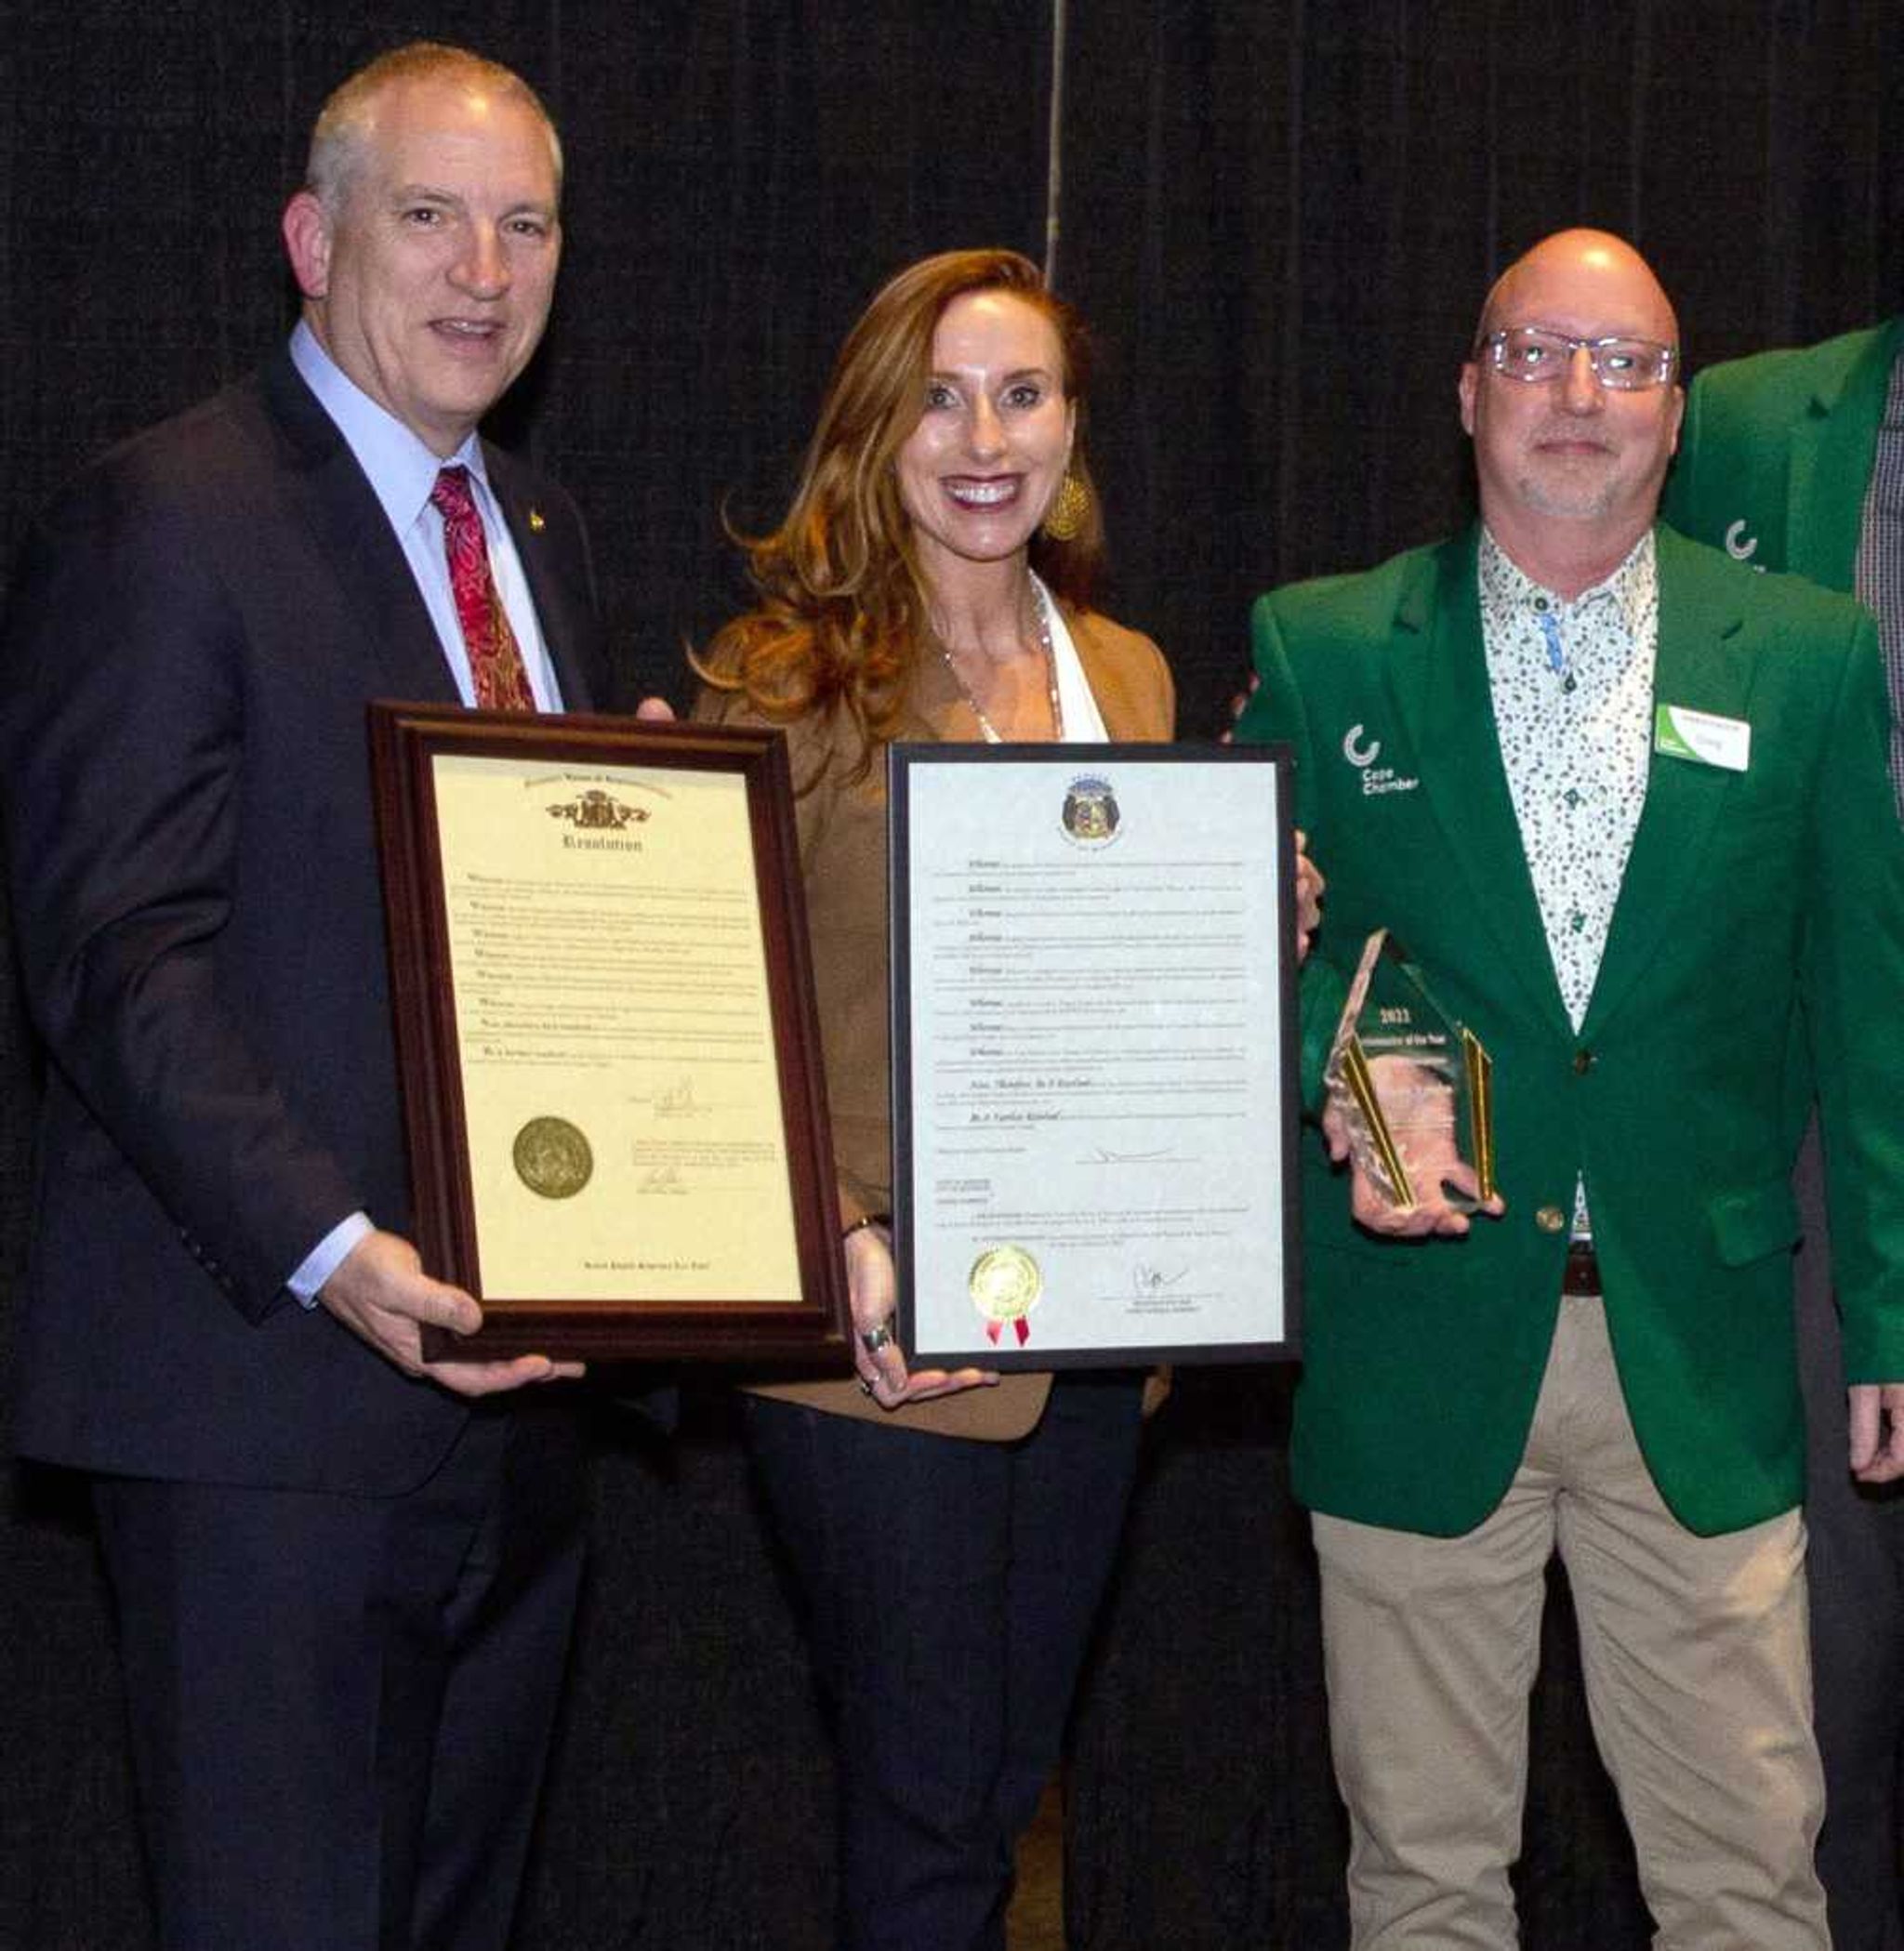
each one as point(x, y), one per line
point(1005, 1284)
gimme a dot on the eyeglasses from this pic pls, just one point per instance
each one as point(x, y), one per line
point(1623, 366)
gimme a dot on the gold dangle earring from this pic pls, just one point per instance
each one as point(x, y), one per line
point(1070, 506)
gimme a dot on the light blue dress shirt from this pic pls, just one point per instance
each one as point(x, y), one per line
point(401, 471)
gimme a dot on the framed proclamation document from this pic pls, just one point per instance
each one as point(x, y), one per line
point(1094, 1077)
point(604, 1023)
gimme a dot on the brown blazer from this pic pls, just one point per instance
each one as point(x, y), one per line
point(842, 844)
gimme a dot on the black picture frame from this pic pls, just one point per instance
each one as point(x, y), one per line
point(1262, 1324)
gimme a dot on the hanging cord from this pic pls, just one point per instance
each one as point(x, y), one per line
point(1054, 172)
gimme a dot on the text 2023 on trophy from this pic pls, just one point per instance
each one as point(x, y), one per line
point(1414, 1088)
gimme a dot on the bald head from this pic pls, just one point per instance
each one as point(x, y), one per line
point(1570, 467)
point(1587, 271)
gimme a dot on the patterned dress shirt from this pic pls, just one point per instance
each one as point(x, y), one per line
point(1572, 685)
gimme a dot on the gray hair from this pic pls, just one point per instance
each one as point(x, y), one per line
point(347, 119)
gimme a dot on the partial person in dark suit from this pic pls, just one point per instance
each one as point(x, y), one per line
point(1794, 460)
point(344, 1577)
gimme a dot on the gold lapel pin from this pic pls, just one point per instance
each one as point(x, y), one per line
point(536, 524)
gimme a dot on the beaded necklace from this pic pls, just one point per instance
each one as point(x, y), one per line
point(992, 736)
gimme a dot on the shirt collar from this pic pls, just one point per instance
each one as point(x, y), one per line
point(400, 470)
point(1509, 595)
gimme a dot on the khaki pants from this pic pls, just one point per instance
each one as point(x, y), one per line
point(1697, 1675)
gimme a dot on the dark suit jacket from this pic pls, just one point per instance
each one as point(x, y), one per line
point(842, 844)
point(195, 630)
point(1758, 943)
point(1775, 454)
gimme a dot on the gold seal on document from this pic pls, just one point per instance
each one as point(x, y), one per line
point(553, 1158)
point(1005, 1284)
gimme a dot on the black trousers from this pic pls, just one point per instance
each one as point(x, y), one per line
point(952, 1585)
point(341, 1706)
point(1855, 1568)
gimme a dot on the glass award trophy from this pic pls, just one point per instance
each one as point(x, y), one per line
point(1413, 1087)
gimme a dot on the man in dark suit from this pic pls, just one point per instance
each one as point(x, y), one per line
point(344, 1577)
point(1625, 804)
point(1794, 460)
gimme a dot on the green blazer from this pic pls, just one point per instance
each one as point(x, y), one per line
point(1759, 939)
point(1775, 454)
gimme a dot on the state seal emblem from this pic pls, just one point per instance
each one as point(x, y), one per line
point(552, 1159)
point(1091, 811)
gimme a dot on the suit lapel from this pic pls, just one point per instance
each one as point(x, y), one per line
point(1698, 664)
point(1124, 717)
point(567, 625)
point(1833, 449)
point(1437, 674)
point(336, 507)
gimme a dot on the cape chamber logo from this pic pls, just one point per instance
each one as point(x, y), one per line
point(1361, 752)
point(1741, 546)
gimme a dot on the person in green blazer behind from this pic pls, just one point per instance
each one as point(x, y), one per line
point(1664, 929)
point(1776, 463)
point(1794, 460)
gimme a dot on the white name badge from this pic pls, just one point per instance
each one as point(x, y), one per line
point(1701, 736)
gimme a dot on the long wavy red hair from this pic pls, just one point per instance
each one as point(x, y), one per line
point(843, 601)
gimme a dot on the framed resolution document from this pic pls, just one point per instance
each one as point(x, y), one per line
point(1094, 1075)
point(604, 1023)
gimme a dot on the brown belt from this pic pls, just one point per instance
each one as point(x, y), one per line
point(1582, 1273)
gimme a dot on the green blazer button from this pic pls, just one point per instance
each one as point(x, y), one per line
point(1550, 1219)
point(1582, 1062)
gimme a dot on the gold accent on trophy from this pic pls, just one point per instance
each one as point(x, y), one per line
point(1414, 1086)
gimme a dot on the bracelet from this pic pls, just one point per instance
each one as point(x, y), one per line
point(864, 1220)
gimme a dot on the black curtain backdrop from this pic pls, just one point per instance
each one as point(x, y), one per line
point(1280, 219)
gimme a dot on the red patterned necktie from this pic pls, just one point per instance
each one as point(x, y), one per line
point(496, 664)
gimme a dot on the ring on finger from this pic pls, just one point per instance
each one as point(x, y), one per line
point(876, 1336)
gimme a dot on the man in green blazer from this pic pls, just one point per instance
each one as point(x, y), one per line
point(1776, 463)
point(1625, 803)
point(1788, 464)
